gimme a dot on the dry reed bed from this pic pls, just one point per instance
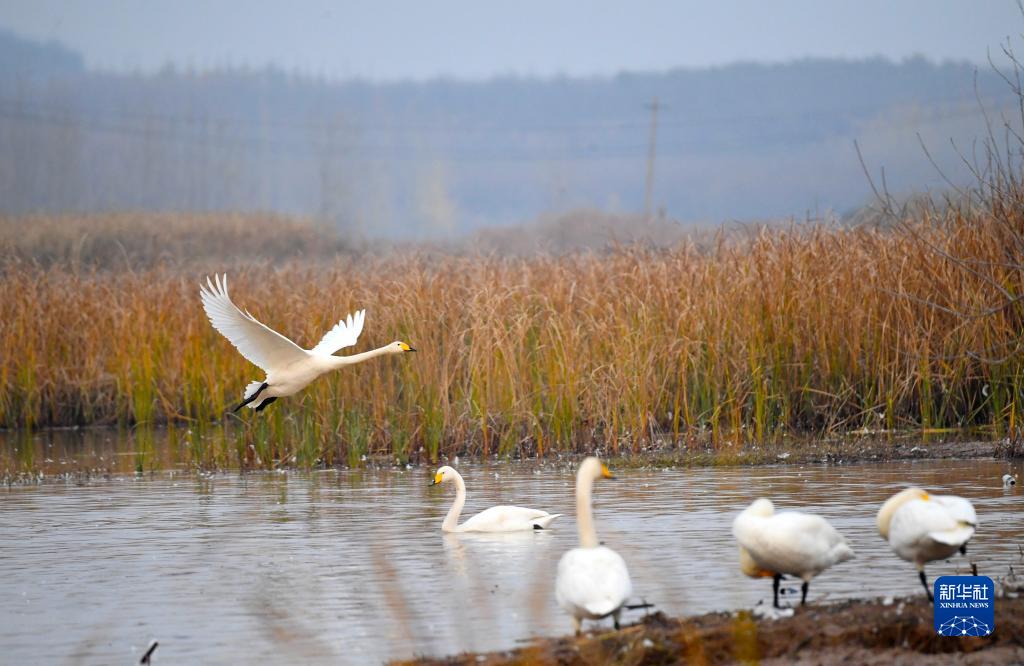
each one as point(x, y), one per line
point(131, 240)
point(756, 334)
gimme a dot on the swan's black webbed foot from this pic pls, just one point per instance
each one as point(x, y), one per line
point(250, 398)
point(264, 404)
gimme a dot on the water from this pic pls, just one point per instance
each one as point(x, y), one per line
point(351, 566)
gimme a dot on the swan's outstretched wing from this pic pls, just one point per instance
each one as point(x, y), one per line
point(258, 343)
point(344, 334)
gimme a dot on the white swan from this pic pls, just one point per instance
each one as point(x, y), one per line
point(791, 542)
point(495, 519)
point(922, 528)
point(592, 581)
point(1009, 480)
point(288, 367)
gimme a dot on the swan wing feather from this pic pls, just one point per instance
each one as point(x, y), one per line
point(503, 519)
point(959, 508)
point(344, 334)
point(257, 342)
point(927, 530)
point(791, 542)
point(954, 537)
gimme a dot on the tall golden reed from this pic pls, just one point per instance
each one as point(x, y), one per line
point(740, 338)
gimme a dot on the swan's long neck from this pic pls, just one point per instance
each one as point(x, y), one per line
point(584, 511)
point(451, 521)
point(342, 361)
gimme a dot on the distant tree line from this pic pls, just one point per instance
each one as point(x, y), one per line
point(427, 159)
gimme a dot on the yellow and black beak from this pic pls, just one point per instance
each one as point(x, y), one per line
point(438, 478)
point(405, 347)
point(606, 473)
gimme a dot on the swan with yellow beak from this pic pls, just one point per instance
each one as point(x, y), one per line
point(495, 519)
point(921, 527)
point(593, 581)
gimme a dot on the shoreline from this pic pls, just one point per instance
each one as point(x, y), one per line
point(853, 631)
point(801, 450)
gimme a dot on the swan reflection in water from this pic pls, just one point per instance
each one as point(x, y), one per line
point(494, 571)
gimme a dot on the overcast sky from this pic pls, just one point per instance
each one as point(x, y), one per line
point(477, 39)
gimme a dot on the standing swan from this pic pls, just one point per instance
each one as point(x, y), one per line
point(922, 528)
point(288, 367)
point(495, 519)
point(794, 543)
point(592, 581)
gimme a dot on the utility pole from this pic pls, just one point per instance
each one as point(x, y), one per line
point(649, 185)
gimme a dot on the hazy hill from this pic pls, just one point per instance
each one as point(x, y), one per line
point(419, 159)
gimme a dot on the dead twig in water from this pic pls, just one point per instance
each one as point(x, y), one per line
point(149, 653)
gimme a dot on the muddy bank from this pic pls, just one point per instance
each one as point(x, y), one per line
point(848, 632)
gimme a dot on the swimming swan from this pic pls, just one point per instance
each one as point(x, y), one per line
point(592, 581)
point(495, 519)
point(288, 367)
point(922, 528)
point(799, 544)
point(1009, 480)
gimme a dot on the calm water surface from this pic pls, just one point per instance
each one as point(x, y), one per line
point(351, 566)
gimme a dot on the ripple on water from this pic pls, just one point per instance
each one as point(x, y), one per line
point(352, 566)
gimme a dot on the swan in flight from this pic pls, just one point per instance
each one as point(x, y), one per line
point(288, 367)
point(794, 543)
point(592, 581)
point(495, 519)
point(922, 528)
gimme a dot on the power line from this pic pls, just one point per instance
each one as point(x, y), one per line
point(652, 145)
point(222, 135)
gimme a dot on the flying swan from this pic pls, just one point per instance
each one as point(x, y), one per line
point(592, 581)
point(495, 519)
point(288, 367)
point(794, 543)
point(922, 528)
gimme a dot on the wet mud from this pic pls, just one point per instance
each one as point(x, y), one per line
point(867, 632)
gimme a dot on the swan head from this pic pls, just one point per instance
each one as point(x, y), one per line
point(594, 469)
point(399, 347)
point(443, 474)
point(888, 509)
point(763, 508)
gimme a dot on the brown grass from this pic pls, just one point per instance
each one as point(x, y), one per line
point(121, 241)
point(807, 328)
